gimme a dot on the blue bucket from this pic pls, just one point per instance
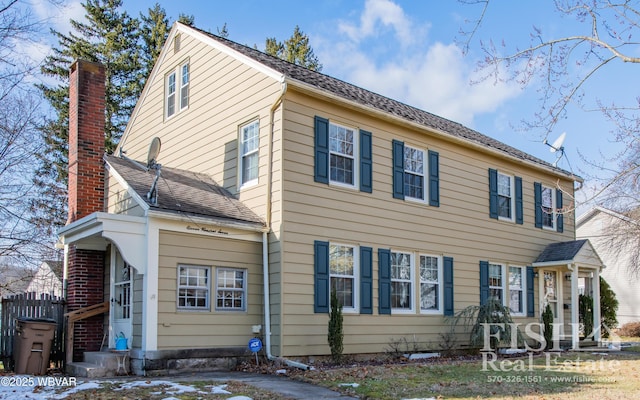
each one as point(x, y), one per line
point(121, 342)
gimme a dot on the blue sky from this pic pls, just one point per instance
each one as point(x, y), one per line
point(409, 50)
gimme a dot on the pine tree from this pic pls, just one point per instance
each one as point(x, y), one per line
point(335, 335)
point(295, 50)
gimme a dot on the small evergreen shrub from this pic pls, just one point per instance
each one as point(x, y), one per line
point(547, 320)
point(336, 335)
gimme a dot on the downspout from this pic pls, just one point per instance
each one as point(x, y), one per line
point(265, 239)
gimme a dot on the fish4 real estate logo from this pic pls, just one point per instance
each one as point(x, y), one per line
point(529, 338)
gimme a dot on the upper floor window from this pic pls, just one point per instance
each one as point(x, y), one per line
point(184, 87)
point(342, 158)
point(548, 208)
point(249, 148)
point(342, 274)
point(177, 79)
point(414, 173)
point(430, 283)
point(193, 287)
point(401, 281)
point(231, 289)
point(505, 197)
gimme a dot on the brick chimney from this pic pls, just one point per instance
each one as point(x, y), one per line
point(85, 268)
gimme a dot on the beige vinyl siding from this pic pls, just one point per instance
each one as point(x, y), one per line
point(204, 329)
point(460, 228)
point(223, 94)
point(119, 201)
point(137, 307)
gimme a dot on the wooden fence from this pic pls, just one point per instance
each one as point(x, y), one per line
point(31, 305)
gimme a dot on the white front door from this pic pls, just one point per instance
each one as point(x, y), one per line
point(120, 312)
point(551, 294)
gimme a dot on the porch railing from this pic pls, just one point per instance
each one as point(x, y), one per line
point(77, 315)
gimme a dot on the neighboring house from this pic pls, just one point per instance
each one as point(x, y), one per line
point(597, 225)
point(47, 279)
point(14, 280)
point(279, 184)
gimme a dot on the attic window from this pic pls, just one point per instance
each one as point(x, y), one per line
point(177, 89)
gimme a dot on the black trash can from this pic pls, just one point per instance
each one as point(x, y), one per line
point(32, 345)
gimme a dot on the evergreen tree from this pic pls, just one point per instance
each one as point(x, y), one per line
point(295, 50)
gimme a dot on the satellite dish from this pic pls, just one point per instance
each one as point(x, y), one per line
point(154, 150)
point(557, 145)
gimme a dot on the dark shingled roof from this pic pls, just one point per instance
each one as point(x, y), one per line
point(185, 192)
point(561, 251)
point(365, 97)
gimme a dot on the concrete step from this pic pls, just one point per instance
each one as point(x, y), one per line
point(102, 359)
point(88, 370)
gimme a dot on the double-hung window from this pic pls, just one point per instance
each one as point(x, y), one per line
point(231, 289)
point(430, 284)
point(548, 208)
point(177, 90)
point(249, 147)
point(516, 290)
point(193, 287)
point(414, 170)
point(342, 157)
point(505, 196)
point(342, 273)
point(496, 282)
point(401, 281)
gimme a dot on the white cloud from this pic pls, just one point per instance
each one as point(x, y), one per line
point(376, 13)
point(435, 77)
point(58, 16)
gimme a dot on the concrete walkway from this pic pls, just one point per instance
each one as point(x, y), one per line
point(281, 385)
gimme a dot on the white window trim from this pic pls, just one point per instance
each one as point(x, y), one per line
point(553, 208)
point(178, 106)
point(412, 267)
point(512, 194)
point(356, 277)
point(356, 158)
point(504, 281)
point(178, 286)
point(244, 291)
point(440, 286)
point(241, 156)
point(523, 289)
point(425, 175)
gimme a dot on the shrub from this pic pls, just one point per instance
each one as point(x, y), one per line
point(630, 329)
point(547, 320)
point(336, 335)
point(608, 307)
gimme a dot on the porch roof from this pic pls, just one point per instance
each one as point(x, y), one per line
point(563, 253)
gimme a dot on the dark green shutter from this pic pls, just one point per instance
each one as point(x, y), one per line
point(559, 210)
point(537, 203)
point(519, 209)
point(434, 179)
point(366, 162)
point(531, 307)
point(384, 281)
point(484, 282)
point(321, 270)
point(493, 193)
point(398, 169)
point(448, 285)
point(321, 128)
point(366, 280)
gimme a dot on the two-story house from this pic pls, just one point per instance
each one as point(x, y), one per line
point(278, 185)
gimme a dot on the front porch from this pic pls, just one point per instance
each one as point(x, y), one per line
point(565, 271)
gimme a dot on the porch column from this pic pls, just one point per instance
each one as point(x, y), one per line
point(575, 302)
point(595, 282)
